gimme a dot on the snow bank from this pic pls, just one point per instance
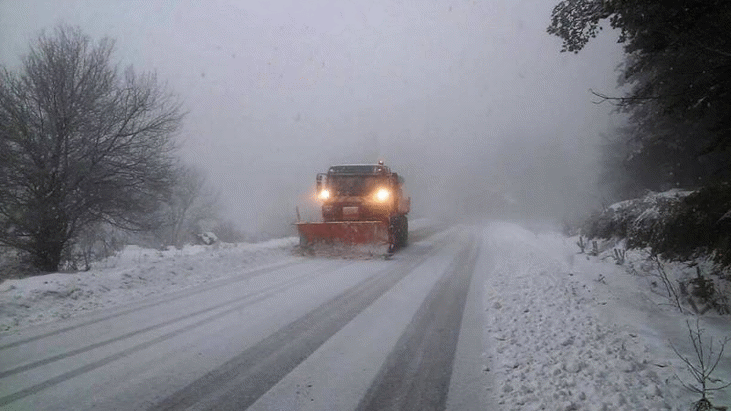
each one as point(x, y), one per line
point(565, 331)
point(131, 274)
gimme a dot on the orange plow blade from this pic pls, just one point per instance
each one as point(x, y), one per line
point(343, 233)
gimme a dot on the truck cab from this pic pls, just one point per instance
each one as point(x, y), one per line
point(361, 203)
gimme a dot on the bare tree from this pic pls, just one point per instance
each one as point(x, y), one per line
point(192, 200)
point(80, 143)
point(228, 232)
point(703, 366)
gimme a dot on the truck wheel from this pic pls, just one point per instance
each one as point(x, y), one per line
point(398, 230)
point(394, 234)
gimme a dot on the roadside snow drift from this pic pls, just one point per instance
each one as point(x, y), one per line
point(131, 274)
point(569, 332)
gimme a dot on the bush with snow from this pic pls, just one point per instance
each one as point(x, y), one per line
point(677, 225)
point(206, 238)
point(686, 237)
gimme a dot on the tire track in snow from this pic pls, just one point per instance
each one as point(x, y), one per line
point(417, 373)
point(422, 233)
point(267, 291)
point(249, 299)
point(238, 383)
point(157, 301)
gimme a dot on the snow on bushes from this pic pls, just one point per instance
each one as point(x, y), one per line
point(677, 225)
point(685, 235)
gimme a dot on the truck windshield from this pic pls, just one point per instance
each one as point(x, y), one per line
point(354, 185)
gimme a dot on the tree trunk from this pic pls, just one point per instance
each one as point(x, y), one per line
point(47, 255)
point(48, 243)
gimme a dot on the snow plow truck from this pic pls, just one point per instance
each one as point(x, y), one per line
point(362, 205)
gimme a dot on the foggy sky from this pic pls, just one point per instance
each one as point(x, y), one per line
point(470, 101)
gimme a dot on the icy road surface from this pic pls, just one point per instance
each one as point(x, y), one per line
point(465, 318)
point(305, 333)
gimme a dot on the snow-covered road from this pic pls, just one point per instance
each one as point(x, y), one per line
point(300, 334)
point(465, 318)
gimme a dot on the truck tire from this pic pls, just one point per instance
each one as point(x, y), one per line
point(398, 230)
point(394, 234)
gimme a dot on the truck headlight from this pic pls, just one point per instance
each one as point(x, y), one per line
point(324, 194)
point(382, 195)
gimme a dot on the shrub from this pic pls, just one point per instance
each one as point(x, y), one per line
point(678, 225)
point(701, 223)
